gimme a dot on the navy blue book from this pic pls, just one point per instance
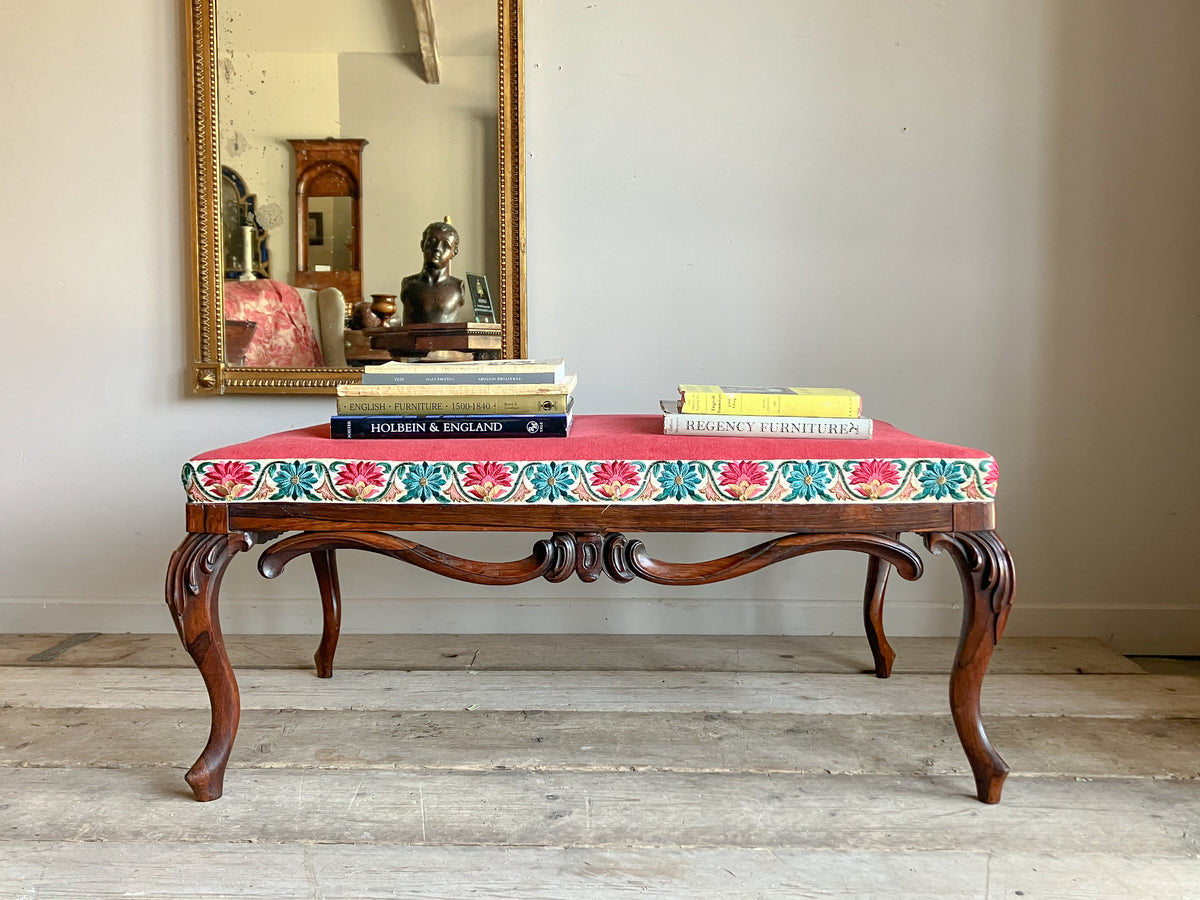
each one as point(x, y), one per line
point(548, 425)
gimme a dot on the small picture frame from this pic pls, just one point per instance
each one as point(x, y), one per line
point(481, 299)
point(316, 229)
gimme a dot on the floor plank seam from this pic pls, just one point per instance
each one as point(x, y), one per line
point(899, 850)
point(814, 772)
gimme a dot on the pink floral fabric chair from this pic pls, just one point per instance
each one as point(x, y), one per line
point(284, 335)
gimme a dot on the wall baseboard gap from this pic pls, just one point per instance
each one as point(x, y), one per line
point(1162, 631)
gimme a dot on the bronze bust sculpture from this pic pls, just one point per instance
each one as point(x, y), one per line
point(433, 294)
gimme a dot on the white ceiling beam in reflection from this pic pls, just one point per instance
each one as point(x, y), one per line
point(427, 35)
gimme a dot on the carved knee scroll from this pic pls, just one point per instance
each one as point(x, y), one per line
point(194, 572)
point(987, 573)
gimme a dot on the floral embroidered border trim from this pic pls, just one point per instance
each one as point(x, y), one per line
point(595, 481)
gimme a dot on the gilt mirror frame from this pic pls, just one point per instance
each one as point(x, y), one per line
point(208, 372)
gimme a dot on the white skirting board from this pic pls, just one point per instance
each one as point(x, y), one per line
point(1142, 629)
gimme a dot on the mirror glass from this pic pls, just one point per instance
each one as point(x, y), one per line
point(243, 240)
point(415, 82)
point(330, 233)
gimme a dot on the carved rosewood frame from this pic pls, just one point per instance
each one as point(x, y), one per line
point(590, 541)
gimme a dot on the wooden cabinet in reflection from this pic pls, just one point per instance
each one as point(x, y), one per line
point(329, 215)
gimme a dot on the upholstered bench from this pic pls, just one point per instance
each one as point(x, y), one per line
point(612, 476)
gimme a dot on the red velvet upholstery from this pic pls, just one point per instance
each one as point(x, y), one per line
point(606, 459)
point(592, 437)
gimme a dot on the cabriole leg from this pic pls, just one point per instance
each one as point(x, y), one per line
point(325, 565)
point(193, 584)
point(989, 581)
point(878, 570)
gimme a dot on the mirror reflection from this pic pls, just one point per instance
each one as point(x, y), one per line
point(330, 233)
point(243, 240)
point(291, 73)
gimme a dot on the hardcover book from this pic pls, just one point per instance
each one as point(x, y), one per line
point(675, 422)
point(736, 400)
point(500, 371)
point(406, 427)
point(427, 376)
point(461, 405)
point(443, 391)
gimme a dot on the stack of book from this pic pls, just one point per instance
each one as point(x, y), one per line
point(736, 411)
point(495, 398)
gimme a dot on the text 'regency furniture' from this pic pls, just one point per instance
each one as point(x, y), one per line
point(613, 475)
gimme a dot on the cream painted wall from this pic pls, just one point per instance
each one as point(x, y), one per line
point(982, 214)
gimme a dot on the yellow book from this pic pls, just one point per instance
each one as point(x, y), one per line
point(735, 400)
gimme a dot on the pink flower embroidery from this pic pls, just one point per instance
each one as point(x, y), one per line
point(360, 479)
point(616, 480)
point(991, 478)
point(743, 479)
point(875, 477)
point(487, 480)
point(229, 479)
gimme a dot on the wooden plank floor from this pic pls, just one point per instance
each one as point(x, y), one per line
point(585, 766)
